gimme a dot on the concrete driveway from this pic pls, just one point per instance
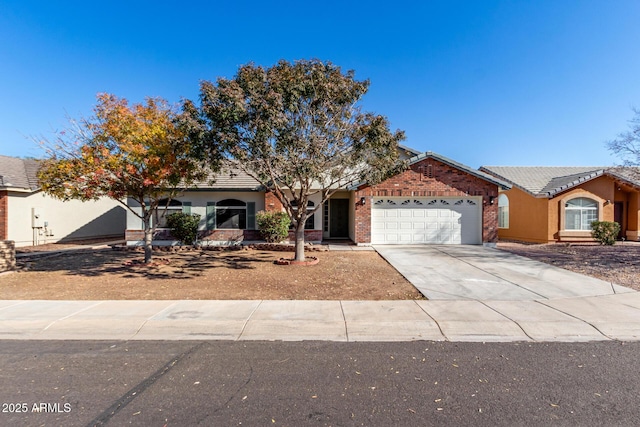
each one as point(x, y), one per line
point(460, 272)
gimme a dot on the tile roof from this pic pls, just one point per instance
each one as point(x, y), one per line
point(229, 179)
point(547, 181)
point(19, 173)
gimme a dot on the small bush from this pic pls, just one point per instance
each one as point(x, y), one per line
point(184, 226)
point(273, 226)
point(605, 232)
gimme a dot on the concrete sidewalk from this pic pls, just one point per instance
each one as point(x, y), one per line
point(612, 317)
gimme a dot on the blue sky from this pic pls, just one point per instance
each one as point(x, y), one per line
point(482, 82)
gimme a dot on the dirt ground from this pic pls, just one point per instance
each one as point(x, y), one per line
point(245, 274)
point(619, 263)
point(59, 246)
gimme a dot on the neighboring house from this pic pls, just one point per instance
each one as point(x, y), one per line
point(558, 204)
point(436, 200)
point(30, 217)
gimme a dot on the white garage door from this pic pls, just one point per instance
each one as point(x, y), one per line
point(442, 220)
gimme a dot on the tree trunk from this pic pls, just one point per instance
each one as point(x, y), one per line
point(299, 248)
point(148, 239)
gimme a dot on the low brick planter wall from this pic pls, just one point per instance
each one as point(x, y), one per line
point(7, 255)
point(286, 247)
point(276, 247)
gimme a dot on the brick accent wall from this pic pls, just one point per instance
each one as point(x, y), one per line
point(213, 235)
point(230, 235)
point(271, 202)
point(430, 177)
point(4, 214)
point(7, 255)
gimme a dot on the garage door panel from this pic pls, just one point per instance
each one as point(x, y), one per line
point(435, 221)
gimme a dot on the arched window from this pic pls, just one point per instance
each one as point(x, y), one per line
point(231, 213)
point(503, 211)
point(165, 208)
point(579, 213)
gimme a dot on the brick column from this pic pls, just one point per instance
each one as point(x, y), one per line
point(271, 202)
point(363, 217)
point(7, 255)
point(4, 215)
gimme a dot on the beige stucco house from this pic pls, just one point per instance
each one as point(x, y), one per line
point(30, 217)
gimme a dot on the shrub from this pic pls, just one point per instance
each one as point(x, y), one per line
point(184, 226)
point(605, 232)
point(273, 226)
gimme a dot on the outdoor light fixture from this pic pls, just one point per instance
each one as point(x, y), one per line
point(363, 201)
point(491, 199)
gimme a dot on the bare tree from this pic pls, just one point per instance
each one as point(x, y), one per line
point(627, 144)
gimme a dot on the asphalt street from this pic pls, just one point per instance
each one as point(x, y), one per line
point(222, 383)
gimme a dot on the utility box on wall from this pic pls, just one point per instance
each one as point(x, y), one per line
point(36, 218)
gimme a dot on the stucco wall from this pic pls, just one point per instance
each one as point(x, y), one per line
point(633, 217)
point(71, 220)
point(600, 189)
point(199, 201)
point(528, 218)
point(541, 220)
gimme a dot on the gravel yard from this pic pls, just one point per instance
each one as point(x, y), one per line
point(619, 264)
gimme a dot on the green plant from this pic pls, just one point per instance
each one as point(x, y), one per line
point(184, 226)
point(273, 226)
point(605, 232)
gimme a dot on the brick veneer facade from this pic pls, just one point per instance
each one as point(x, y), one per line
point(430, 177)
point(271, 202)
point(426, 178)
point(4, 213)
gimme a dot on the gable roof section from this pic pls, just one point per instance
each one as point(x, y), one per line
point(627, 175)
point(232, 178)
point(431, 155)
point(19, 174)
point(228, 179)
point(407, 152)
point(505, 185)
point(548, 181)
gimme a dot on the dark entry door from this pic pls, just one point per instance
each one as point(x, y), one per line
point(339, 218)
point(618, 216)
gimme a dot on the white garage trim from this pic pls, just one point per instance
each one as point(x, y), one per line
point(426, 220)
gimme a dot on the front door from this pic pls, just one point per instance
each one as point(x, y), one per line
point(618, 216)
point(339, 218)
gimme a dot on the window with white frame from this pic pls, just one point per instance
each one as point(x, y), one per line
point(503, 211)
point(579, 213)
point(165, 208)
point(310, 222)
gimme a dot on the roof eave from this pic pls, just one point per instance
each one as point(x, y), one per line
point(18, 189)
point(554, 192)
